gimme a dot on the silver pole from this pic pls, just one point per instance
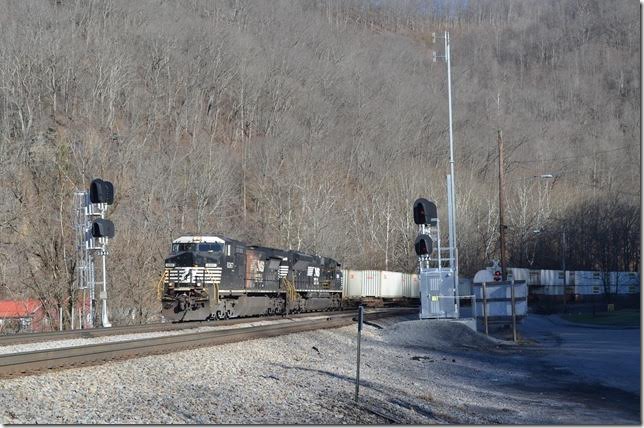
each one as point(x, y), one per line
point(106, 321)
point(451, 157)
point(452, 242)
point(450, 220)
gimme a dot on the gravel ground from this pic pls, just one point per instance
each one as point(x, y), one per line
point(412, 371)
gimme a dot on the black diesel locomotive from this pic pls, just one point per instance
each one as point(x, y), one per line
point(212, 277)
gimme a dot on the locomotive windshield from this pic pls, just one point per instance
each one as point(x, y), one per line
point(211, 247)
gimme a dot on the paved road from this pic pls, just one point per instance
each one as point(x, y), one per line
point(609, 356)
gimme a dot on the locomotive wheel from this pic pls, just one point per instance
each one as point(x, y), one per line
point(220, 315)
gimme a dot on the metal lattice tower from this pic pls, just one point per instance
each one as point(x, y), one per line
point(86, 277)
point(88, 248)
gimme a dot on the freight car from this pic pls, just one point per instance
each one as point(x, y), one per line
point(214, 277)
point(379, 288)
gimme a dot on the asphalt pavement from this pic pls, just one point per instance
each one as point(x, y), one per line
point(607, 356)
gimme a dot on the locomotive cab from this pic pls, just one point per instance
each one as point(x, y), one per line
point(192, 273)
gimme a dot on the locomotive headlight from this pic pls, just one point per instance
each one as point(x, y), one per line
point(171, 265)
point(211, 265)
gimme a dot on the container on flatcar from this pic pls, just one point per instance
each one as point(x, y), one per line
point(391, 285)
point(624, 282)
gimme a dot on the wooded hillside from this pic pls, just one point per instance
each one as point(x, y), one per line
point(314, 125)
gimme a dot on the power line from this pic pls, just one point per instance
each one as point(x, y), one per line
point(573, 157)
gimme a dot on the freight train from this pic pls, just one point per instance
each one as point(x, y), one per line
point(214, 277)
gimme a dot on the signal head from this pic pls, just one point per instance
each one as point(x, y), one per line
point(101, 191)
point(102, 228)
point(425, 212)
point(423, 245)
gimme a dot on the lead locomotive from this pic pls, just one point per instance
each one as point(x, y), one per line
point(213, 277)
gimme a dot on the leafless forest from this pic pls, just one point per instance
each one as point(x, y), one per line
point(314, 125)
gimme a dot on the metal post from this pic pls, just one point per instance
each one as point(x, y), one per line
point(81, 312)
point(501, 205)
point(451, 156)
point(514, 317)
point(473, 302)
point(60, 318)
point(72, 318)
point(105, 320)
point(360, 319)
point(452, 241)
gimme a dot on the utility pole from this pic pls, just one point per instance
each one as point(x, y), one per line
point(501, 205)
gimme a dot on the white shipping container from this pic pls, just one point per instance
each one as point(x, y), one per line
point(553, 282)
point(585, 277)
point(624, 282)
point(534, 277)
point(415, 286)
point(345, 282)
point(391, 285)
point(551, 277)
point(518, 274)
point(408, 285)
point(364, 283)
point(587, 290)
point(570, 277)
point(354, 283)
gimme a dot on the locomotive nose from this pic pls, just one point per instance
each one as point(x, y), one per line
point(186, 259)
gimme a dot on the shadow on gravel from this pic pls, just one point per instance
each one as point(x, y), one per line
point(393, 393)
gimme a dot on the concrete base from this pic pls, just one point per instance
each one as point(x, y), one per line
point(469, 322)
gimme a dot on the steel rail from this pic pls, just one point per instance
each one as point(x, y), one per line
point(32, 362)
point(22, 338)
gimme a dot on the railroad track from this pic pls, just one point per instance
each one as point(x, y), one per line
point(22, 338)
point(33, 362)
